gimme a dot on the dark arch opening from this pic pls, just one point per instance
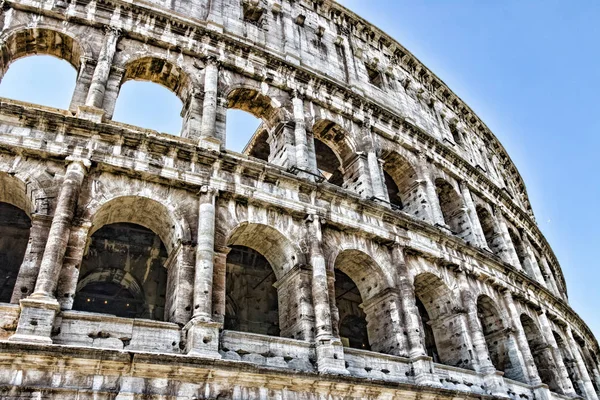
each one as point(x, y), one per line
point(259, 146)
point(14, 236)
point(500, 344)
point(542, 354)
point(353, 322)
point(123, 273)
point(570, 364)
point(437, 301)
point(328, 164)
point(43, 79)
point(393, 190)
point(251, 303)
point(451, 205)
point(429, 338)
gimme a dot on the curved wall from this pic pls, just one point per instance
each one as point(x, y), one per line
point(367, 171)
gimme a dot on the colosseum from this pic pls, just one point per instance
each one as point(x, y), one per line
point(373, 241)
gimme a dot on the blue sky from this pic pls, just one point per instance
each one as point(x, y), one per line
point(530, 69)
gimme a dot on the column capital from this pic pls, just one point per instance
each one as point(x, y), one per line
point(114, 31)
point(84, 162)
point(212, 61)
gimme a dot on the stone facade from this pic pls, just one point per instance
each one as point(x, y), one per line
point(374, 241)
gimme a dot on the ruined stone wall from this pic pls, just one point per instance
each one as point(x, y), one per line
point(373, 241)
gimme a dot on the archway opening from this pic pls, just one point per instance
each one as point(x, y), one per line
point(250, 117)
point(14, 236)
point(520, 250)
point(251, 303)
point(328, 164)
point(542, 354)
point(400, 181)
point(489, 229)
point(428, 337)
point(43, 79)
point(243, 135)
point(452, 208)
point(149, 105)
point(501, 347)
point(447, 327)
point(123, 273)
point(570, 363)
point(352, 318)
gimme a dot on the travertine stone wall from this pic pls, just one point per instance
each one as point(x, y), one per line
point(373, 241)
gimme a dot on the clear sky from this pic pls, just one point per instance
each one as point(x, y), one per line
point(529, 69)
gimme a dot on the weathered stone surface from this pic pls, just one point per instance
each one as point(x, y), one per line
point(374, 241)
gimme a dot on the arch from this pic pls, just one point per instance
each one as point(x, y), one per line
point(439, 318)
point(362, 316)
point(259, 146)
point(253, 101)
point(144, 211)
point(500, 344)
point(160, 71)
point(123, 273)
point(15, 192)
point(400, 180)
point(488, 226)
point(14, 237)
point(259, 276)
point(335, 155)
point(277, 249)
point(570, 363)
point(515, 237)
point(452, 207)
point(252, 301)
point(542, 355)
point(22, 42)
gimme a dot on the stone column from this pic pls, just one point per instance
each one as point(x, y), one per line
point(95, 98)
point(69, 273)
point(39, 309)
point(180, 283)
point(561, 370)
point(473, 218)
point(300, 137)
point(384, 323)
point(219, 284)
point(512, 256)
point(515, 320)
point(208, 135)
point(82, 85)
point(421, 362)
point(296, 313)
point(192, 115)
point(549, 276)
point(434, 209)
point(202, 331)
point(590, 393)
point(28, 272)
point(377, 179)
point(330, 354)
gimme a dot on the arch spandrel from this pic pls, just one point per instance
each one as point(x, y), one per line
point(45, 39)
point(281, 253)
point(112, 199)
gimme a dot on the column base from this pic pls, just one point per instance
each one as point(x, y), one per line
point(210, 143)
point(202, 338)
point(91, 113)
point(36, 320)
point(542, 392)
point(423, 369)
point(330, 357)
point(494, 382)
